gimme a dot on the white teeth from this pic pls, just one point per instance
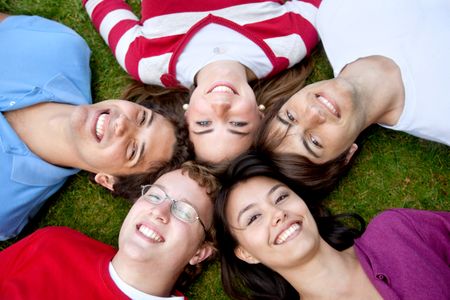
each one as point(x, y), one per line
point(287, 233)
point(150, 233)
point(327, 104)
point(222, 89)
point(99, 130)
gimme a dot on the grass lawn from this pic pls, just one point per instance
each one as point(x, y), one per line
point(392, 170)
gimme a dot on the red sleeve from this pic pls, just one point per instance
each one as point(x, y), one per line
point(17, 254)
point(112, 19)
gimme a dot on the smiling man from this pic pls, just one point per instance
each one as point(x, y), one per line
point(392, 68)
point(49, 130)
point(166, 233)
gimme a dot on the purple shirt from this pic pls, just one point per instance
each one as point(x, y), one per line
point(406, 254)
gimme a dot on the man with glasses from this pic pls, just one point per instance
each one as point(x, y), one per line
point(165, 234)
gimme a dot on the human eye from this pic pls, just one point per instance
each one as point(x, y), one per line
point(314, 141)
point(252, 218)
point(281, 197)
point(132, 150)
point(290, 116)
point(155, 198)
point(142, 118)
point(203, 123)
point(238, 124)
point(184, 211)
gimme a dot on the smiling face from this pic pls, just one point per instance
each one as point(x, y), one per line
point(272, 226)
point(321, 121)
point(151, 232)
point(120, 137)
point(222, 116)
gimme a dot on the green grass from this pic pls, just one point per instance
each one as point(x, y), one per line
point(392, 170)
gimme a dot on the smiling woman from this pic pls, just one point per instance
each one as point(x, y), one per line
point(49, 129)
point(214, 48)
point(279, 245)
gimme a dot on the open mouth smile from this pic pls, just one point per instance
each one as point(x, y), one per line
point(101, 125)
point(288, 233)
point(150, 234)
point(330, 105)
point(223, 88)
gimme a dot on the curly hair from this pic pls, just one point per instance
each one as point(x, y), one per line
point(168, 103)
point(256, 281)
point(204, 178)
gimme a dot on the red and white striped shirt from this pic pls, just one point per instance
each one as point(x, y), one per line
point(148, 49)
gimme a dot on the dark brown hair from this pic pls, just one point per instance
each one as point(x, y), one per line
point(168, 103)
point(319, 178)
point(268, 91)
point(241, 280)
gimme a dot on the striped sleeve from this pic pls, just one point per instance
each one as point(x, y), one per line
point(117, 25)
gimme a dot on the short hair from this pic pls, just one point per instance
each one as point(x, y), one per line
point(205, 179)
point(168, 103)
point(241, 280)
point(318, 178)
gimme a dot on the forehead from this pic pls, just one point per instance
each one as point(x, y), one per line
point(219, 147)
point(122, 104)
point(253, 189)
point(182, 187)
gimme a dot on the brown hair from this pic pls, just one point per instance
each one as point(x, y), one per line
point(268, 91)
point(168, 103)
point(317, 178)
point(204, 178)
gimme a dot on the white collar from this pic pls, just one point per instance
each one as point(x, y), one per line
point(131, 291)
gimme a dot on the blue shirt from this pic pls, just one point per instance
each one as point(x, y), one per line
point(40, 61)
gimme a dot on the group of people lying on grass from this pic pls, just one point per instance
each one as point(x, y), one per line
point(200, 95)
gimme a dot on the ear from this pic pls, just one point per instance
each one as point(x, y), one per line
point(350, 152)
point(243, 254)
point(105, 180)
point(261, 114)
point(205, 251)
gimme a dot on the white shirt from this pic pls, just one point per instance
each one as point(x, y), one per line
point(131, 291)
point(415, 34)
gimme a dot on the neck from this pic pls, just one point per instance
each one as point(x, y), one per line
point(378, 87)
point(44, 128)
point(338, 271)
point(153, 278)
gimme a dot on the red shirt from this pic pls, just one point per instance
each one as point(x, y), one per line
point(57, 263)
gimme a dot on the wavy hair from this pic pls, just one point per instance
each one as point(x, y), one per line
point(204, 178)
point(255, 281)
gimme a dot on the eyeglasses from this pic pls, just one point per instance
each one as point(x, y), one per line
point(182, 210)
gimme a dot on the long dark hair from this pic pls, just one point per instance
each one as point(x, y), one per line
point(256, 281)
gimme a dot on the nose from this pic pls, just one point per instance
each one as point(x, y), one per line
point(278, 216)
point(314, 115)
point(121, 125)
point(221, 107)
point(161, 212)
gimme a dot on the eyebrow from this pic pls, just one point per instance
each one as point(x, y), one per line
point(149, 123)
point(308, 148)
point(248, 207)
point(230, 130)
point(305, 143)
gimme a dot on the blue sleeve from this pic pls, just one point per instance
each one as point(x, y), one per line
point(34, 50)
